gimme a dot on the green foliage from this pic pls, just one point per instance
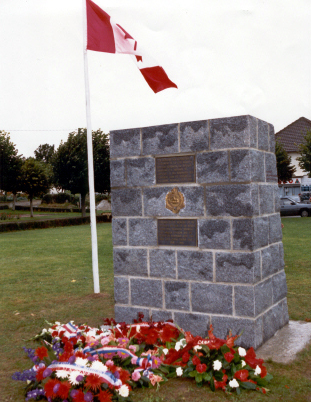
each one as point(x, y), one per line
point(10, 164)
point(70, 167)
point(305, 152)
point(44, 153)
point(283, 162)
point(35, 179)
point(59, 198)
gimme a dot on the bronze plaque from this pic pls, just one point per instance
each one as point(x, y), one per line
point(177, 232)
point(175, 169)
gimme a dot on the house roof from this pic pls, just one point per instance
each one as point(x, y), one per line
point(293, 134)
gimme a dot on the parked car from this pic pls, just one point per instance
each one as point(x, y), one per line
point(290, 207)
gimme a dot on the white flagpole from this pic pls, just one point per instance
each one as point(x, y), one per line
point(90, 157)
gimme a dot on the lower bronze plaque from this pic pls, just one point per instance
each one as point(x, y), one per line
point(177, 232)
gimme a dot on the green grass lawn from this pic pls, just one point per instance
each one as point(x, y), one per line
point(17, 216)
point(47, 274)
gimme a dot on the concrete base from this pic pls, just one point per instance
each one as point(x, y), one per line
point(286, 343)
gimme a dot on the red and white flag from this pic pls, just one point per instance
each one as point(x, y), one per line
point(104, 35)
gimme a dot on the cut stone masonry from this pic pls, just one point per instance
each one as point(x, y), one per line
point(234, 278)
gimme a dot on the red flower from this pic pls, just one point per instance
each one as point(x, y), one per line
point(41, 352)
point(221, 384)
point(80, 354)
point(79, 396)
point(39, 375)
point(93, 381)
point(152, 336)
point(196, 360)
point(48, 388)
point(200, 368)
point(63, 390)
point(124, 376)
point(263, 371)
point(168, 333)
point(54, 333)
point(251, 360)
point(68, 347)
point(229, 357)
point(241, 375)
point(104, 396)
point(185, 357)
point(64, 357)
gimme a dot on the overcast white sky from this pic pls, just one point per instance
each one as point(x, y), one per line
point(227, 57)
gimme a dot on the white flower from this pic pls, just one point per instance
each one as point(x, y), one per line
point(57, 323)
point(233, 383)
point(81, 362)
point(97, 365)
point(124, 391)
point(165, 351)
point(177, 346)
point(62, 373)
point(137, 328)
point(179, 371)
point(44, 331)
point(243, 363)
point(242, 352)
point(73, 377)
point(217, 365)
point(196, 348)
point(257, 370)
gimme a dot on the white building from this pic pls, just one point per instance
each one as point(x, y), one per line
point(290, 137)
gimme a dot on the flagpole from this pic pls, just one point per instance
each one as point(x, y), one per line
point(90, 157)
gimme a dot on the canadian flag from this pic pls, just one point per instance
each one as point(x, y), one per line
point(104, 35)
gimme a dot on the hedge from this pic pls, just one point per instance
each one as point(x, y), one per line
point(52, 223)
point(49, 209)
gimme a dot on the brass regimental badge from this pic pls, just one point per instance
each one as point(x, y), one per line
point(175, 200)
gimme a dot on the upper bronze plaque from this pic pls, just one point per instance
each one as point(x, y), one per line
point(175, 169)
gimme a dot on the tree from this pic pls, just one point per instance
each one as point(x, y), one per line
point(35, 180)
point(283, 162)
point(305, 152)
point(10, 166)
point(70, 168)
point(44, 153)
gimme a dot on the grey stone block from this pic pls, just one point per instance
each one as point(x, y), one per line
point(267, 198)
point(131, 262)
point(285, 317)
point(146, 292)
point(252, 333)
point(162, 263)
point(270, 257)
point(213, 167)
point(177, 295)
point(121, 290)
point(161, 315)
point(214, 233)
point(140, 172)
point(244, 299)
point(261, 229)
point(277, 201)
point(126, 202)
point(117, 173)
point(273, 320)
point(195, 265)
point(160, 139)
point(253, 131)
point(194, 136)
point(232, 200)
point(129, 314)
point(119, 232)
point(271, 139)
point(211, 298)
point(275, 228)
point(238, 267)
point(124, 143)
point(243, 234)
point(155, 201)
point(247, 165)
point(281, 251)
point(270, 165)
point(263, 135)
point(263, 296)
point(279, 286)
point(142, 232)
point(231, 132)
point(197, 324)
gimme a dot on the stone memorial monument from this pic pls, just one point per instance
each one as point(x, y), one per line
point(196, 227)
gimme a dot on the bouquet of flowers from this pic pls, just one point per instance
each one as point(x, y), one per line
point(84, 364)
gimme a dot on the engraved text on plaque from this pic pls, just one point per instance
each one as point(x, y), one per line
point(177, 232)
point(175, 169)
